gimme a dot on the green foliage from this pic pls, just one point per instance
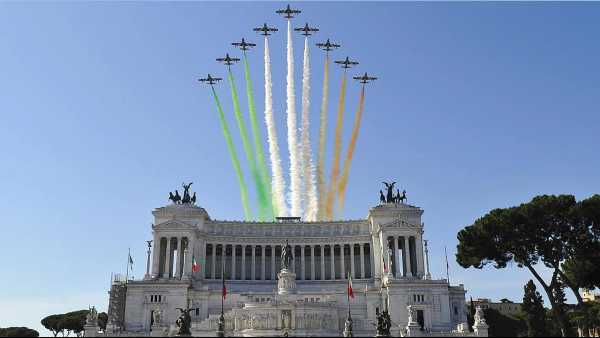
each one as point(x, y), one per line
point(503, 326)
point(18, 332)
point(69, 322)
point(53, 323)
point(533, 311)
point(548, 230)
point(102, 320)
point(74, 321)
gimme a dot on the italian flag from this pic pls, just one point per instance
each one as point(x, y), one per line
point(195, 265)
point(350, 291)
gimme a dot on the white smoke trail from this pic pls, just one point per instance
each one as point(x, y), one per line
point(295, 170)
point(278, 192)
point(309, 194)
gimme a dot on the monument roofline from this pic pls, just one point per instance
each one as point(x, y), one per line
point(293, 224)
point(181, 210)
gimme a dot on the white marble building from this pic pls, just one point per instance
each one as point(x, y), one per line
point(316, 304)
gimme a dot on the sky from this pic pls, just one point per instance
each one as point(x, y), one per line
point(477, 106)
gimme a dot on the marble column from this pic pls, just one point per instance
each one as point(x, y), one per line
point(232, 274)
point(372, 259)
point(273, 265)
point(156, 256)
point(214, 261)
point(343, 261)
point(419, 255)
point(253, 272)
point(408, 256)
point(352, 269)
point(189, 250)
point(178, 260)
point(362, 260)
point(243, 274)
point(332, 256)
point(312, 262)
point(323, 262)
point(302, 269)
point(201, 258)
point(263, 250)
point(427, 273)
point(167, 270)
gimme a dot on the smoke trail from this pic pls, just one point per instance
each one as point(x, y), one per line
point(258, 146)
point(322, 140)
point(234, 158)
point(335, 171)
point(278, 193)
point(295, 171)
point(351, 147)
point(308, 170)
point(262, 204)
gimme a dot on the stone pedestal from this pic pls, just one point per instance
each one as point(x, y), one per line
point(413, 330)
point(159, 331)
point(91, 330)
point(287, 282)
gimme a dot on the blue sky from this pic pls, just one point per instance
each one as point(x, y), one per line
point(479, 105)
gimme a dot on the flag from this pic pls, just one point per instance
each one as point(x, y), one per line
point(195, 265)
point(350, 291)
point(224, 291)
point(130, 262)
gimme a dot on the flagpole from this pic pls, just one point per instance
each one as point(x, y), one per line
point(348, 293)
point(127, 271)
point(447, 267)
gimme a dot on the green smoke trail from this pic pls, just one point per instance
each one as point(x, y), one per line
point(234, 158)
point(260, 154)
point(262, 202)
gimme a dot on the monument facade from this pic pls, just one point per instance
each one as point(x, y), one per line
point(288, 277)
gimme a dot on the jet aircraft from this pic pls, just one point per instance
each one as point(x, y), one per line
point(365, 78)
point(347, 63)
point(243, 45)
point(228, 60)
point(307, 30)
point(210, 80)
point(327, 46)
point(288, 12)
point(265, 30)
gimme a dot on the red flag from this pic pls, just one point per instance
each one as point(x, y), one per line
point(224, 292)
point(350, 291)
point(195, 265)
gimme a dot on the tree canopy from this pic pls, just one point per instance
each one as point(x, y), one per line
point(18, 332)
point(69, 322)
point(549, 230)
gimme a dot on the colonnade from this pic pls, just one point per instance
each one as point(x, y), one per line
point(404, 255)
point(311, 262)
point(172, 257)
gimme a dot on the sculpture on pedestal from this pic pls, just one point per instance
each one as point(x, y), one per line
point(186, 199)
point(389, 197)
point(92, 317)
point(479, 318)
point(286, 256)
point(184, 322)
